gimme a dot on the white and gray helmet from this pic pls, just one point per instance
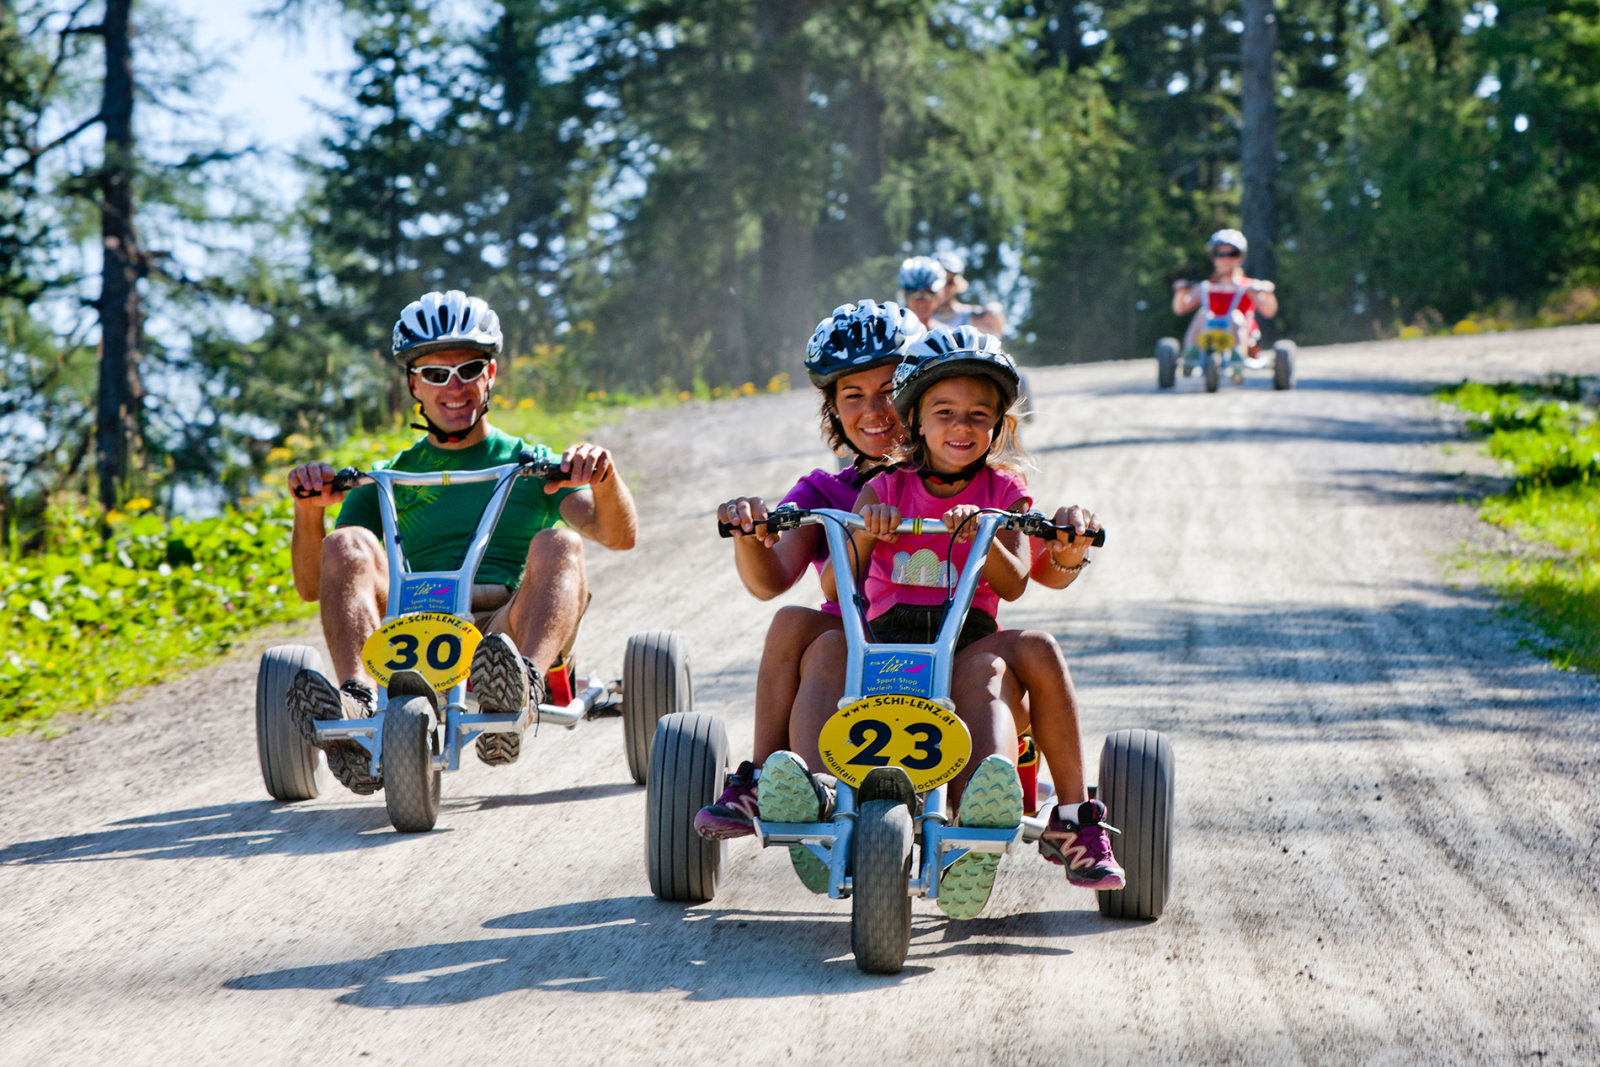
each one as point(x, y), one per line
point(921, 272)
point(440, 321)
point(858, 337)
point(1232, 238)
point(952, 262)
point(953, 352)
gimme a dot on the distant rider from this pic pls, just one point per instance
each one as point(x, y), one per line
point(1227, 249)
point(530, 590)
point(986, 318)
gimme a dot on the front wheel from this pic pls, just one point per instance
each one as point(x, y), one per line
point(1166, 362)
point(288, 764)
point(655, 683)
point(1136, 774)
point(880, 904)
point(1283, 365)
point(687, 757)
point(1213, 371)
point(411, 782)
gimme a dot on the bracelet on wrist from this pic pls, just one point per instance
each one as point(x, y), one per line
point(1069, 570)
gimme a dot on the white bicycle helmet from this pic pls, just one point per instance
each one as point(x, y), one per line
point(952, 262)
point(950, 353)
point(860, 336)
point(921, 272)
point(1232, 238)
point(439, 321)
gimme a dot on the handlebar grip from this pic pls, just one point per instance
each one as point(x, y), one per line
point(783, 517)
point(343, 481)
point(346, 480)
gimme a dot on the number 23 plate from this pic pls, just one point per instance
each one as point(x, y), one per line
point(436, 644)
point(892, 729)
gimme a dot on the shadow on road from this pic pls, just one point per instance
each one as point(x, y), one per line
point(1340, 671)
point(641, 945)
point(226, 831)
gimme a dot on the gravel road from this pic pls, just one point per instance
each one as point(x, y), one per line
point(1386, 825)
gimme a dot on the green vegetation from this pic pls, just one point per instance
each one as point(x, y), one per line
point(1550, 441)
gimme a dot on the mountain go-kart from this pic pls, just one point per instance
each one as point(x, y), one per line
point(894, 745)
point(421, 656)
point(1219, 349)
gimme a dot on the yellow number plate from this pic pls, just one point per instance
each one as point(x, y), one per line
point(896, 730)
point(436, 644)
point(1216, 341)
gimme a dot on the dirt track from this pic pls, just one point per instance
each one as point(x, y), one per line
point(1387, 815)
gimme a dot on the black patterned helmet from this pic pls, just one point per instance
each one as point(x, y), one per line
point(440, 321)
point(953, 352)
point(857, 337)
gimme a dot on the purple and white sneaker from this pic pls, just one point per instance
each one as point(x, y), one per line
point(1083, 847)
point(733, 813)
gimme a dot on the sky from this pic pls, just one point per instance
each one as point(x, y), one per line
point(276, 78)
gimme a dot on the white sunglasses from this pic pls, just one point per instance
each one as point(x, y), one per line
point(470, 371)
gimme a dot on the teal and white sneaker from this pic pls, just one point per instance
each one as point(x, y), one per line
point(992, 801)
point(787, 792)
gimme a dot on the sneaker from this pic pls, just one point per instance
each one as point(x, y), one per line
point(731, 815)
point(504, 681)
point(312, 698)
point(992, 801)
point(1083, 847)
point(788, 793)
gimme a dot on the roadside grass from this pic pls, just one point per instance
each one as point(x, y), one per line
point(92, 618)
point(1548, 436)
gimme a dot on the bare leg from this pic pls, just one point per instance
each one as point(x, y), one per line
point(355, 592)
point(792, 631)
point(979, 685)
point(542, 616)
point(821, 687)
point(1036, 662)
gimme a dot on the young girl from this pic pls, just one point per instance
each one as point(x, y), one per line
point(953, 393)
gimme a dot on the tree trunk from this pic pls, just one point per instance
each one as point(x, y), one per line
point(1258, 139)
point(785, 299)
point(869, 230)
point(117, 416)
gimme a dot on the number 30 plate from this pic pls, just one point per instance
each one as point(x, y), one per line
point(434, 643)
point(896, 730)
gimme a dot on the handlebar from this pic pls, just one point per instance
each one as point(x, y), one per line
point(789, 517)
point(528, 465)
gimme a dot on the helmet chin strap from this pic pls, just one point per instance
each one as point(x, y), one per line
point(446, 437)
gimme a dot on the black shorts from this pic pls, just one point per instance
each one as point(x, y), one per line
point(915, 624)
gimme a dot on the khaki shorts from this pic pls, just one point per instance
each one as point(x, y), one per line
point(491, 611)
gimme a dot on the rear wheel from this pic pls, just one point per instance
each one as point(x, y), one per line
point(1166, 362)
point(1213, 371)
point(288, 764)
point(411, 782)
point(687, 758)
point(655, 683)
point(880, 904)
point(1283, 365)
point(1136, 779)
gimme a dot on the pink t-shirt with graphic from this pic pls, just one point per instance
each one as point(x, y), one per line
point(919, 568)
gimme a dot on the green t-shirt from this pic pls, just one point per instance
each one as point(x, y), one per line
point(436, 523)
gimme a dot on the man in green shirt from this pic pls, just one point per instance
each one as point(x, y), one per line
point(530, 589)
